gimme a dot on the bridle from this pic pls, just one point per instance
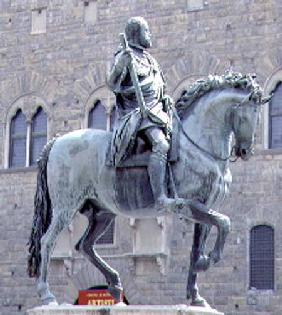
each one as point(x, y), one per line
point(214, 156)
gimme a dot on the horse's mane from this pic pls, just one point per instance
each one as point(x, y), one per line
point(212, 82)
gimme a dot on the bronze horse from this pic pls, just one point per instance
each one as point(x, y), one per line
point(73, 176)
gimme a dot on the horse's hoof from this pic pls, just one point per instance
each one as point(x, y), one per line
point(116, 292)
point(189, 295)
point(120, 304)
point(214, 257)
point(202, 264)
point(192, 293)
point(49, 299)
point(54, 303)
point(200, 302)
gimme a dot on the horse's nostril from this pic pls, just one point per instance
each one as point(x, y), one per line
point(244, 151)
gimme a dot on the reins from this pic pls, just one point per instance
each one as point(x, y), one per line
point(216, 157)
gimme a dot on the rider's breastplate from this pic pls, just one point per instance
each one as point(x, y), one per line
point(149, 78)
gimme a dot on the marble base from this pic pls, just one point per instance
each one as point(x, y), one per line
point(123, 310)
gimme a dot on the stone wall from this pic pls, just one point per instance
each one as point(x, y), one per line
point(65, 68)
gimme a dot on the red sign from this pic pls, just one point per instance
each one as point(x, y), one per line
point(95, 297)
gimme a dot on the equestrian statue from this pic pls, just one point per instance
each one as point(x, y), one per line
point(162, 157)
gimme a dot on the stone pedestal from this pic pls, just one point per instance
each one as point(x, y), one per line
point(123, 310)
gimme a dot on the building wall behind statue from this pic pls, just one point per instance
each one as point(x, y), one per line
point(55, 54)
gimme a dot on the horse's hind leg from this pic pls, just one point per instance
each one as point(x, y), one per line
point(98, 223)
point(48, 241)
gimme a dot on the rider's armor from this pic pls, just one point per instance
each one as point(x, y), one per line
point(155, 128)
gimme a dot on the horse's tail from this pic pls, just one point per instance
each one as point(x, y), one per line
point(42, 213)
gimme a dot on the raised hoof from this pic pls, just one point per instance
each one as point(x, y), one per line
point(214, 257)
point(202, 264)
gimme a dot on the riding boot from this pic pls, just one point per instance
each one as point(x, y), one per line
point(157, 174)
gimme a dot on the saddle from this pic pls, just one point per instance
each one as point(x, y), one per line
point(132, 184)
point(141, 153)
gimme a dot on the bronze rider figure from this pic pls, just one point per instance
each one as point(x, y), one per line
point(156, 121)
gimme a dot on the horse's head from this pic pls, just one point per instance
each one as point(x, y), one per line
point(245, 117)
point(244, 95)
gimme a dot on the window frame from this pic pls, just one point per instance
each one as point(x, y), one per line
point(96, 103)
point(35, 13)
point(102, 94)
point(17, 136)
point(36, 134)
point(29, 108)
point(269, 86)
point(250, 287)
point(270, 134)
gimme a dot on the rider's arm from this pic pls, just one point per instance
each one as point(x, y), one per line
point(118, 71)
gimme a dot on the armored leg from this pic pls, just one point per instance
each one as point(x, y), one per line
point(157, 168)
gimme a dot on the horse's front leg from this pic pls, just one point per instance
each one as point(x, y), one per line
point(223, 230)
point(201, 213)
point(199, 262)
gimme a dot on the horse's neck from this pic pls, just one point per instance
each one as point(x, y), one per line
point(207, 123)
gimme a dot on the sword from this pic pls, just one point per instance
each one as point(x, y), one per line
point(134, 78)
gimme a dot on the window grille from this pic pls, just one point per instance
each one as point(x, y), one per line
point(262, 257)
point(108, 236)
point(38, 135)
point(18, 132)
point(97, 117)
point(275, 118)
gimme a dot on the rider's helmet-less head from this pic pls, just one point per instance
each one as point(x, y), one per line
point(138, 33)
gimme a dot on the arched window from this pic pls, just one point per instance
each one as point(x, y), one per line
point(38, 135)
point(275, 118)
point(262, 257)
point(18, 132)
point(97, 117)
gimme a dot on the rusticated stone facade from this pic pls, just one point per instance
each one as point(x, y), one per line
point(55, 53)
